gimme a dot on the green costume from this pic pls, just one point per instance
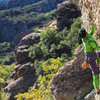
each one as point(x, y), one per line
point(90, 46)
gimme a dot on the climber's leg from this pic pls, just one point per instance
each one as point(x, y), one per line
point(96, 82)
point(94, 68)
point(95, 72)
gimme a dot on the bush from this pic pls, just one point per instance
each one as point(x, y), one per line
point(4, 46)
point(35, 51)
point(48, 36)
point(5, 71)
point(72, 36)
point(6, 58)
point(3, 95)
point(55, 44)
point(41, 91)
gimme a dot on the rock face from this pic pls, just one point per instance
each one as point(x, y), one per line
point(9, 29)
point(66, 12)
point(24, 75)
point(48, 5)
point(72, 81)
point(92, 96)
point(90, 10)
point(91, 15)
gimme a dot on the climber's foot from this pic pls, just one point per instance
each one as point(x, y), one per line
point(98, 92)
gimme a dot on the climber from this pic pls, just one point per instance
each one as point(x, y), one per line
point(90, 47)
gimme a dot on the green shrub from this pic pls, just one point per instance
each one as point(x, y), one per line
point(55, 44)
point(50, 36)
point(43, 83)
point(72, 36)
point(35, 51)
point(36, 29)
point(4, 46)
point(6, 58)
point(5, 71)
point(38, 67)
point(3, 95)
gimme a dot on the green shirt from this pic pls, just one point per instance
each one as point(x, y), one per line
point(89, 44)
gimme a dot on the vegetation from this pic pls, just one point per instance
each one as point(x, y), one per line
point(41, 91)
point(4, 46)
point(50, 53)
point(28, 14)
point(6, 55)
point(5, 71)
point(3, 95)
point(55, 44)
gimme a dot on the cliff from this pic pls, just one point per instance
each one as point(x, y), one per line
point(16, 22)
point(72, 82)
point(9, 29)
point(91, 15)
point(72, 85)
point(24, 75)
point(24, 69)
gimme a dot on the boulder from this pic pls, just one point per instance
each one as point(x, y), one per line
point(21, 50)
point(66, 12)
point(72, 81)
point(31, 39)
point(21, 54)
point(92, 96)
point(26, 77)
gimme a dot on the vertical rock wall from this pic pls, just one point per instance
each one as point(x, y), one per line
point(91, 15)
point(72, 82)
point(90, 10)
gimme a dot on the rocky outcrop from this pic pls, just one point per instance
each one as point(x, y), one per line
point(66, 12)
point(24, 75)
point(48, 5)
point(72, 81)
point(15, 30)
point(9, 29)
point(92, 96)
point(91, 15)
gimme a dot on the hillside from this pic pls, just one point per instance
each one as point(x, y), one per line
point(43, 5)
point(48, 57)
point(7, 4)
point(22, 20)
point(43, 45)
point(17, 21)
point(3, 1)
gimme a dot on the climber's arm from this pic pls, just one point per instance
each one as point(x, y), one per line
point(94, 45)
point(92, 31)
